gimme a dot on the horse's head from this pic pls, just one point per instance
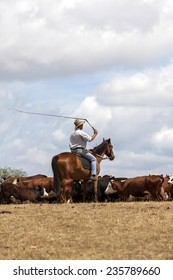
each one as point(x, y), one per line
point(105, 148)
point(109, 149)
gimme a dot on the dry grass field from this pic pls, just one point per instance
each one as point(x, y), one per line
point(106, 231)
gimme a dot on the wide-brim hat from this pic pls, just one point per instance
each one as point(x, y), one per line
point(78, 122)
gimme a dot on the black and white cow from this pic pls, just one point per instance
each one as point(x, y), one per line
point(88, 187)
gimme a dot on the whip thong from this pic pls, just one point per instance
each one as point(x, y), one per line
point(48, 115)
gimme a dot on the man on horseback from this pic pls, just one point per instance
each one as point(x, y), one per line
point(78, 143)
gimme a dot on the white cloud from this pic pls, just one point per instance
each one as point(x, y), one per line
point(37, 156)
point(4, 127)
point(152, 88)
point(163, 139)
point(59, 135)
point(72, 37)
point(16, 144)
point(118, 15)
point(89, 108)
point(110, 62)
point(131, 164)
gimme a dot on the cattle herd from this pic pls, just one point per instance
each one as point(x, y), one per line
point(39, 188)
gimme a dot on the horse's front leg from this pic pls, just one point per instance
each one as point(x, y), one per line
point(95, 184)
point(84, 186)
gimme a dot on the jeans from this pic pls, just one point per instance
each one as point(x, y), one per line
point(88, 156)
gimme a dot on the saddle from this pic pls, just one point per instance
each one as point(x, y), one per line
point(85, 162)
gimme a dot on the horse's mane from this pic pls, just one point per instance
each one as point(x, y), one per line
point(99, 149)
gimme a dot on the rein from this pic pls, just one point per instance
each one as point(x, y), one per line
point(97, 155)
point(102, 157)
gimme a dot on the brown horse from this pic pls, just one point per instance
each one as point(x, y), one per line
point(67, 167)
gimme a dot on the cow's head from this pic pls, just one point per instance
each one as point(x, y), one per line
point(41, 191)
point(113, 187)
point(170, 181)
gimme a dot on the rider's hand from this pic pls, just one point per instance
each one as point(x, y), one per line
point(95, 131)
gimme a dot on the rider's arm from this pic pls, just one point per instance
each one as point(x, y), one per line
point(94, 135)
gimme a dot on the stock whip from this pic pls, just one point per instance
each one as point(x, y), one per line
point(48, 115)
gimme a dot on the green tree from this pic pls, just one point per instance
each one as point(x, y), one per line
point(8, 171)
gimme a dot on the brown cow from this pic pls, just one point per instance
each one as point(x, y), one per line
point(37, 176)
point(141, 186)
point(115, 186)
point(11, 192)
point(17, 179)
point(168, 188)
point(1, 196)
point(46, 183)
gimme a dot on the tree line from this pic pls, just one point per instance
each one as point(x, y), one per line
point(5, 172)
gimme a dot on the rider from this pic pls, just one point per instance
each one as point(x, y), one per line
point(78, 142)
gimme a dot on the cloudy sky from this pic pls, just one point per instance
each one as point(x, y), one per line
point(110, 62)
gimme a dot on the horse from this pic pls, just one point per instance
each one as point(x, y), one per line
point(67, 167)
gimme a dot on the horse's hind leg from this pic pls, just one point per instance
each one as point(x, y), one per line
point(66, 194)
point(66, 191)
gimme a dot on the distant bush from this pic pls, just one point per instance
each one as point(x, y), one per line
point(8, 171)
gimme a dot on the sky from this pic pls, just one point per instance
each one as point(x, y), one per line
point(110, 62)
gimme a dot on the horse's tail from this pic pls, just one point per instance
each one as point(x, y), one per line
point(56, 176)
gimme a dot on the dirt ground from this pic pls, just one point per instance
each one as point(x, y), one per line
point(92, 231)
